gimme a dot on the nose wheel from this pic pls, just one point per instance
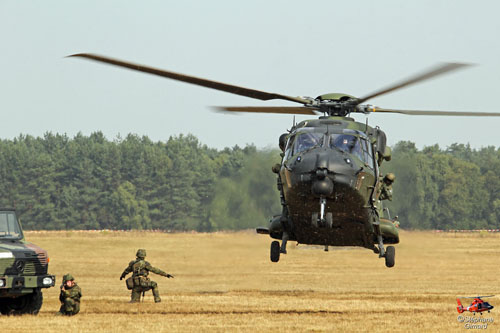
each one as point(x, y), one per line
point(275, 251)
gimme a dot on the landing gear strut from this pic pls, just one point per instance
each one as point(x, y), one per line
point(322, 220)
point(284, 240)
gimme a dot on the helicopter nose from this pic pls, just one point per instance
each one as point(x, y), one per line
point(322, 186)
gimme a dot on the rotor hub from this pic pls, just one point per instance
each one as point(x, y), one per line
point(337, 108)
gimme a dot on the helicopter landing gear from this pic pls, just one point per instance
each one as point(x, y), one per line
point(275, 251)
point(390, 255)
point(283, 242)
point(322, 220)
point(381, 249)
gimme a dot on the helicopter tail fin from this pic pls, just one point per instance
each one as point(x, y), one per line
point(460, 307)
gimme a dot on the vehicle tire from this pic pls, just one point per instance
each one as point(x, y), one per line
point(27, 304)
point(390, 256)
point(314, 219)
point(275, 251)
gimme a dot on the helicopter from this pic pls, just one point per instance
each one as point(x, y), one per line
point(477, 305)
point(329, 179)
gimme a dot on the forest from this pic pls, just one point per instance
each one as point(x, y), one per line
point(89, 182)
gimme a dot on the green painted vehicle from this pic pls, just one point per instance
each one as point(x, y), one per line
point(23, 269)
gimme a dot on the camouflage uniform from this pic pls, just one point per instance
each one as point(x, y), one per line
point(69, 297)
point(386, 187)
point(140, 270)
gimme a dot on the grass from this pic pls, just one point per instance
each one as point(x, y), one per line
point(225, 282)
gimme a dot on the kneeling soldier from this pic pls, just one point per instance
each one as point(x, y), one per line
point(140, 280)
point(69, 296)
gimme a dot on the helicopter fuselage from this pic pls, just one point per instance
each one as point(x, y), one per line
point(329, 179)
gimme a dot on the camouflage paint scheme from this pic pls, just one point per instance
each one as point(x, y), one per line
point(353, 202)
point(23, 266)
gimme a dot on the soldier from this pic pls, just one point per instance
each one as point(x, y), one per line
point(386, 189)
point(141, 282)
point(69, 296)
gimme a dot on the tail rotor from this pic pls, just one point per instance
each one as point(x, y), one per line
point(460, 307)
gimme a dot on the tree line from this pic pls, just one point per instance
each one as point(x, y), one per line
point(452, 188)
point(89, 182)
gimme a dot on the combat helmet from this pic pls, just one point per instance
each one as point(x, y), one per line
point(390, 177)
point(141, 254)
point(68, 277)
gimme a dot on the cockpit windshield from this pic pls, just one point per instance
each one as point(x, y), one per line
point(306, 141)
point(354, 145)
point(9, 227)
point(347, 143)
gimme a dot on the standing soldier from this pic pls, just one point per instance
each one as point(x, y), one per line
point(140, 269)
point(69, 296)
point(386, 189)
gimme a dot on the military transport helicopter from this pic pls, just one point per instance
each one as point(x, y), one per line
point(329, 177)
point(477, 305)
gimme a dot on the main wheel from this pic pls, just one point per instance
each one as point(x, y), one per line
point(275, 251)
point(27, 304)
point(390, 256)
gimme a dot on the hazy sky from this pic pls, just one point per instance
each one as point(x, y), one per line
point(295, 48)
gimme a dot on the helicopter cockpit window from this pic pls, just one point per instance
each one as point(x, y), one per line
point(288, 149)
point(347, 143)
point(306, 141)
point(354, 145)
point(368, 152)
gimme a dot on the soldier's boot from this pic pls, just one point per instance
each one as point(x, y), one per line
point(156, 294)
point(135, 297)
point(61, 311)
point(76, 308)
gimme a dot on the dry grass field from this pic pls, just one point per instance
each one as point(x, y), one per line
point(225, 282)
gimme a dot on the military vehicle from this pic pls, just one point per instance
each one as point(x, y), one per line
point(329, 176)
point(23, 269)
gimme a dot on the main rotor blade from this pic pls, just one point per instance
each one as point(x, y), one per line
point(434, 113)
point(252, 93)
point(438, 70)
point(268, 109)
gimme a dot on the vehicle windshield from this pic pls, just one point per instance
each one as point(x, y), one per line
point(348, 143)
point(306, 141)
point(9, 227)
point(354, 145)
